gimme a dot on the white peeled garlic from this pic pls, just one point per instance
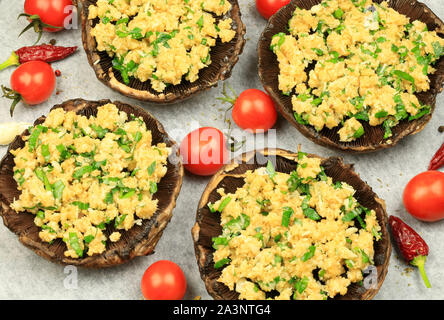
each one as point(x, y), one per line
point(9, 130)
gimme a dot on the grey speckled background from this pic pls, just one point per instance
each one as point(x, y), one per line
point(24, 275)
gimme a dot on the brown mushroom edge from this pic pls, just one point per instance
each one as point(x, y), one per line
point(223, 56)
point(230, 178)
point(138, 241)
point(372, 140)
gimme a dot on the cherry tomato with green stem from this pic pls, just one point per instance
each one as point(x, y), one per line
point(424, 196)
point(204, 151)
point(253, 110)
point(164, 280)
point(47, 15)
point(269, 7)
point(32, 82)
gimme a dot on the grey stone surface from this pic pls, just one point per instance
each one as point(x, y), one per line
point(24, 275)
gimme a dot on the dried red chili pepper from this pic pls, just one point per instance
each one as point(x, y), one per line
point(438, 159)
point(44, 52)
point(413, 248)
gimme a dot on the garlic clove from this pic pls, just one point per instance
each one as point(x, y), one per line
point(9, 130)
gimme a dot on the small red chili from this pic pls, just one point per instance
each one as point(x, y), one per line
point(438, 159)
point(44, 52)
point(58, 73)
point(413, 248)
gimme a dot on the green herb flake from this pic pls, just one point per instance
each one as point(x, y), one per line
point(270, 170)
point(423, 111)
point(287, 212)
point(358, 133)
point(387, 125)
point(200, 22)
point(301, 284)
point(79, 173)
point(278, 258)
point(81, 205)
point(122, 21)
point(75, 244)
point(223, 204)
point(119, 220)
point(404, 75)
point(211, 207)
point(48, 228)
point(101, 132)
point(64, 153)
point(109, 198)
point(45, 152)
point(153, 187)
point(280, 42)
point(101, 226)
point(40, 214)
point(309, 254)
point(88, 238)
point(33, 138)
point(58, 188)
point(219, 241)
point(349, 263)
point(128, 194)
point(311, 214)
point(152, 168)
point(20, 179)
point(318, 51)
point(438, 49)
point(381, 114)
point(42, 177)
point(219, 264)
point(338, 13)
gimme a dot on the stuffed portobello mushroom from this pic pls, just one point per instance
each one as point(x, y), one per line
point(354, 75)
point(91, 184)
point(161, 51)
point(279, 225)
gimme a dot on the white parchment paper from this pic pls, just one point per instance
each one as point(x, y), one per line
point(24, 275)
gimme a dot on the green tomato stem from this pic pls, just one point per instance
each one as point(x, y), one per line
point(13, 95)
point(419, 262)
point(36, 23)
point(13, 60)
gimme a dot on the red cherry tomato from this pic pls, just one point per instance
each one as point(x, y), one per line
point(269, 7)
point(51, 12)
point(424, 196)
point(163, 280)
point(204, 151)
point(34, 81)
point(254, 111)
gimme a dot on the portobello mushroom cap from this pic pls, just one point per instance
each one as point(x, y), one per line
point(231, 177)
point(223, 56)
point(372, 140)
point(138, 241)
